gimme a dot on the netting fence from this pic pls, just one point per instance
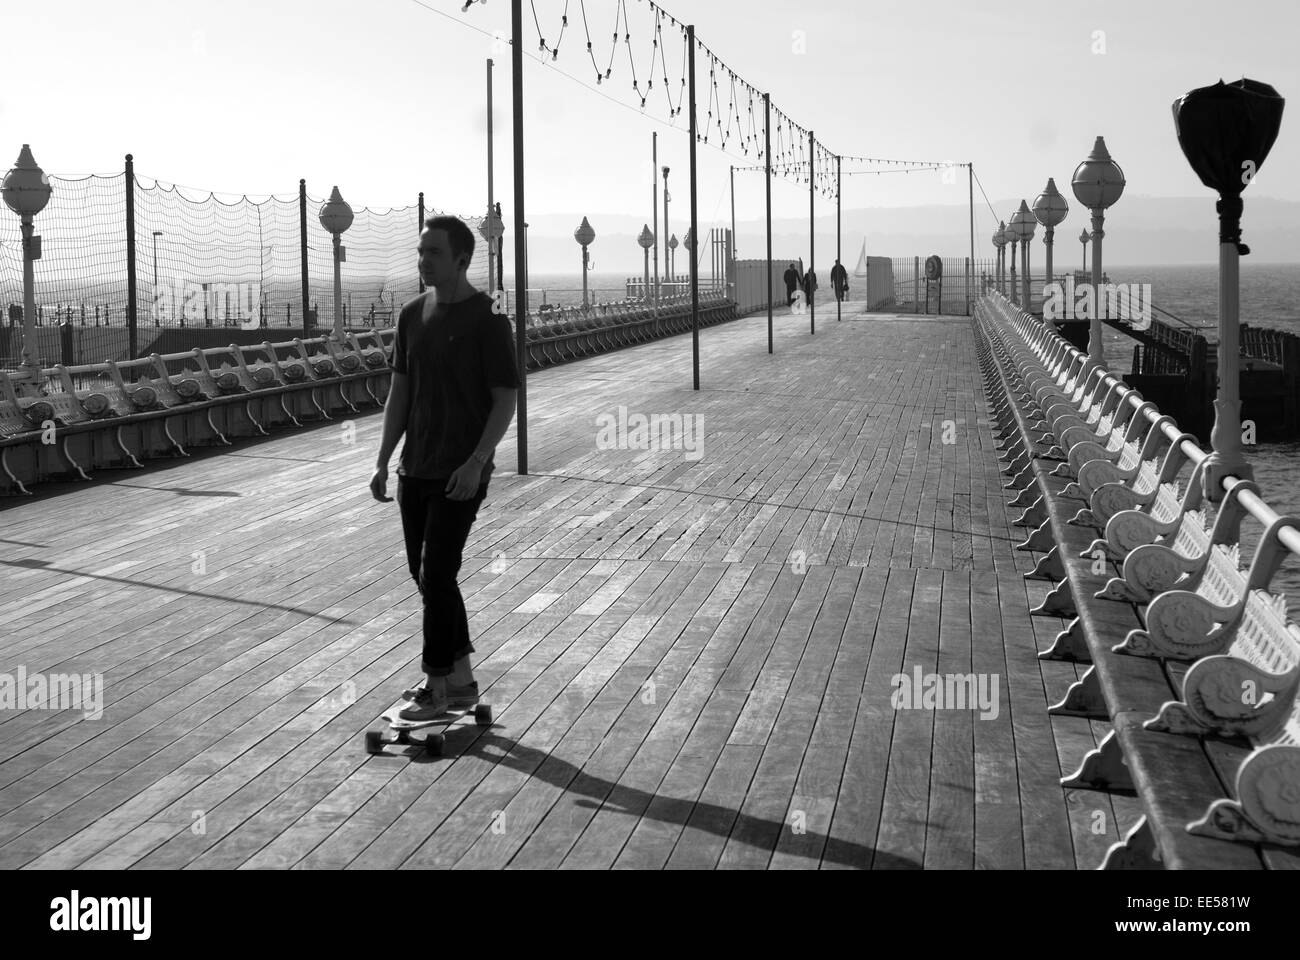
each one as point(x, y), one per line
point(201, 264)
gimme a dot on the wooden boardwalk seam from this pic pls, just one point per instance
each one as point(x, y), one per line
point(691, 660)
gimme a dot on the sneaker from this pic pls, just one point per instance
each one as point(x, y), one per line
point(459, 698)
point(410, 693)
point(423, 707)
point(462, 698)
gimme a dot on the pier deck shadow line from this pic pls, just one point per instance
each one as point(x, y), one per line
point(28, 564)
point(824, 511)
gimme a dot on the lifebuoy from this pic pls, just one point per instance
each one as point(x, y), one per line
point(933, 268)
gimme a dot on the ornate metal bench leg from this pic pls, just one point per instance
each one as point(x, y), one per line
point(1033, 516)
point(1049, 568)
point(289, 413)
point(176, 444)
point(1103, 769)
point(1040, 540)
point(1137, 851)
point(1058, 603)
point(13, 478)
point(216, 432)
point(71, 461)
point(132, 462)
point(1083, 699)
point(248, 411)
point(1069, 644)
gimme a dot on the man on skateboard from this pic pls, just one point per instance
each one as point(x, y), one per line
point(453, 395)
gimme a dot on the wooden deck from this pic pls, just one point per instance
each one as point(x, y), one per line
point(672, 687)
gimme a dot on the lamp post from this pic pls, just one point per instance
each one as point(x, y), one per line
point(1050, 209)
point(1083, 239)
point(1000, 242)
point(672, 254)
point(666, 199)
point(584, 235)
point(1097, 183)
point(647, 240)
point(26, 191)
point(688, 244)
point(491, 230)
point(1013, 236)
point(1226, 131)
point(336, 216)
point(1026, 227)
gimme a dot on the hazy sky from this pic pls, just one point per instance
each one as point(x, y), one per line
point(387, 98)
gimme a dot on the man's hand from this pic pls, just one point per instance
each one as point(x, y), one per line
point(379, 485)
point(464, 483)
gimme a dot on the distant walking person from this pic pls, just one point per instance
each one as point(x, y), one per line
point(791, 283)
point(839, 280)
point(809, 285)
point(453, 395)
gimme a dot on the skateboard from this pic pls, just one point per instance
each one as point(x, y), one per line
point(433, 742)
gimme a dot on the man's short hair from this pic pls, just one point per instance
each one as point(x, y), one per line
point(459, 237)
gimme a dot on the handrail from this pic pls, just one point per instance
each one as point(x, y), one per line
point(1288, 535)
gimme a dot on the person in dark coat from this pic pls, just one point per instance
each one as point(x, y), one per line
point(839, 280)
point(809, 285)
point(791, 282)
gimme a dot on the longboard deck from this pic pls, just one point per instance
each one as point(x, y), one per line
point(433, 742)
point(443, 720)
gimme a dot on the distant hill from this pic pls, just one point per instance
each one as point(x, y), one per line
point(1139, 230)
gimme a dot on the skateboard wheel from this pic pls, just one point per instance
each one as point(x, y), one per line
point(483, 715)
point(433, 744)
point(374, 742)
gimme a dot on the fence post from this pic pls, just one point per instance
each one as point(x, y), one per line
point(916, 285)
point(1291, 383)
point(419, 228)
point(307, 317)
point(130, 259)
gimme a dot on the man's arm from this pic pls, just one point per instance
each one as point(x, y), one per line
point(396, 410)
point(465, 481)
point(505, 402)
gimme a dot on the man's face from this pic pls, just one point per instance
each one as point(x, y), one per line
point(438, 267)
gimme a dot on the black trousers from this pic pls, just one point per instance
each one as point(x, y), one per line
point(435, 529)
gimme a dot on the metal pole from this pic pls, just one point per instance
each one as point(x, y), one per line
point(767, 180)
point(812, 230)
point(1228, 458)
point(839, 240)
point(521, 243)
point(302, 246)
point(970, 183)
point(338, 288)
point(1024, 256)
point(733, 207)
point(654, 205)
point(132, 345)
point(31, 355)
point(420, 229)
point(491, 195)
point(695, 230)
point(1096, 350)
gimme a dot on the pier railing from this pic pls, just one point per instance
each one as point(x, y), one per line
point(1194, 660)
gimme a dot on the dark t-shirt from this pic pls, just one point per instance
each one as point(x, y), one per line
point(453, 362)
